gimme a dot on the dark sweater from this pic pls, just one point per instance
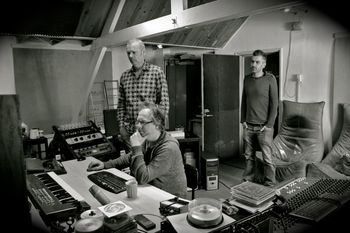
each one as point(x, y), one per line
point(259, 100)
point(159, 163)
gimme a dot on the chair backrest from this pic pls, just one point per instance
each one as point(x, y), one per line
point(192, 178)
point(300, 136)
point(337, 158)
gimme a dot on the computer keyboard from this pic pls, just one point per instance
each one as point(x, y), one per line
point(108, 181)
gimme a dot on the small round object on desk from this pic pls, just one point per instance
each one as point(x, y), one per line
point(89, 225)
point(93, 213)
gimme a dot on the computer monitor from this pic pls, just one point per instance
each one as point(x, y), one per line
point(111, 122)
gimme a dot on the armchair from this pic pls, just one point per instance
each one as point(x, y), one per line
point(336, 164)
point(299, 141)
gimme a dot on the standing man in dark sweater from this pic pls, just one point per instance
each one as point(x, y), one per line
point(258, 114)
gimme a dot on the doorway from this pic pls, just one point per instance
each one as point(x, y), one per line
point(220, 105)
point(184, 78)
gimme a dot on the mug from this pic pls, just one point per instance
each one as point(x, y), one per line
point(131, 188)
point(34, 133)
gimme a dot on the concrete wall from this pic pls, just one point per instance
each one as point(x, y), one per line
point(50, 84)
point(7, 81)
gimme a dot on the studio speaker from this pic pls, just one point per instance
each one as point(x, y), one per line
point(111, 122)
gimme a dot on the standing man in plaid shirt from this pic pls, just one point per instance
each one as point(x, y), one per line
point(142, 82)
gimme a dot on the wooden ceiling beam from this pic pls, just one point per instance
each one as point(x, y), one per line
point(207, 13)
point(93, 17)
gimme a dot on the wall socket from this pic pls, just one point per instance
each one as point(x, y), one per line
point(299, 78)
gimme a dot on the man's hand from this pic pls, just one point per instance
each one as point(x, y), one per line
point(264, 127)
point(244, 124)
point(124, 133)
point(95, 166)
point(136, 139)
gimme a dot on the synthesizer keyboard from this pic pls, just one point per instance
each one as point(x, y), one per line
point(52, 196)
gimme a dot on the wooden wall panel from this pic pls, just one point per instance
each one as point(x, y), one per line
point(136, 11)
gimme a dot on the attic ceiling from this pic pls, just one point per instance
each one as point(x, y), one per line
point(85, 20)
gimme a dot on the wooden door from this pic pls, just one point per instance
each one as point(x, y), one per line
point(220, 105)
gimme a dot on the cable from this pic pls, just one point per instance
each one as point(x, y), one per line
point(287, 68)
point(161, 217)
point(225, 185)
point(232, 165)
point(93, 107)
point(280, 218)
point(255, 228)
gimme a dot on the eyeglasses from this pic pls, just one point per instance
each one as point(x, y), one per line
point(141, 122)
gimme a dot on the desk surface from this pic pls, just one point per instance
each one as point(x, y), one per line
point(147, 201)
point(148, 197)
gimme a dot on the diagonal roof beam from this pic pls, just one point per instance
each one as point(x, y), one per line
point(113, 17)
point(179, 19)
point(97, 57)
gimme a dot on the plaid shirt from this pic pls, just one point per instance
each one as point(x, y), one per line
point(150, 86)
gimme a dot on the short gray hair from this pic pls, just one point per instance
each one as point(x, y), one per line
point(157, 114)
point(139, 42)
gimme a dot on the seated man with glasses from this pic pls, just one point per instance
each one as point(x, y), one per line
point(155, 156)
